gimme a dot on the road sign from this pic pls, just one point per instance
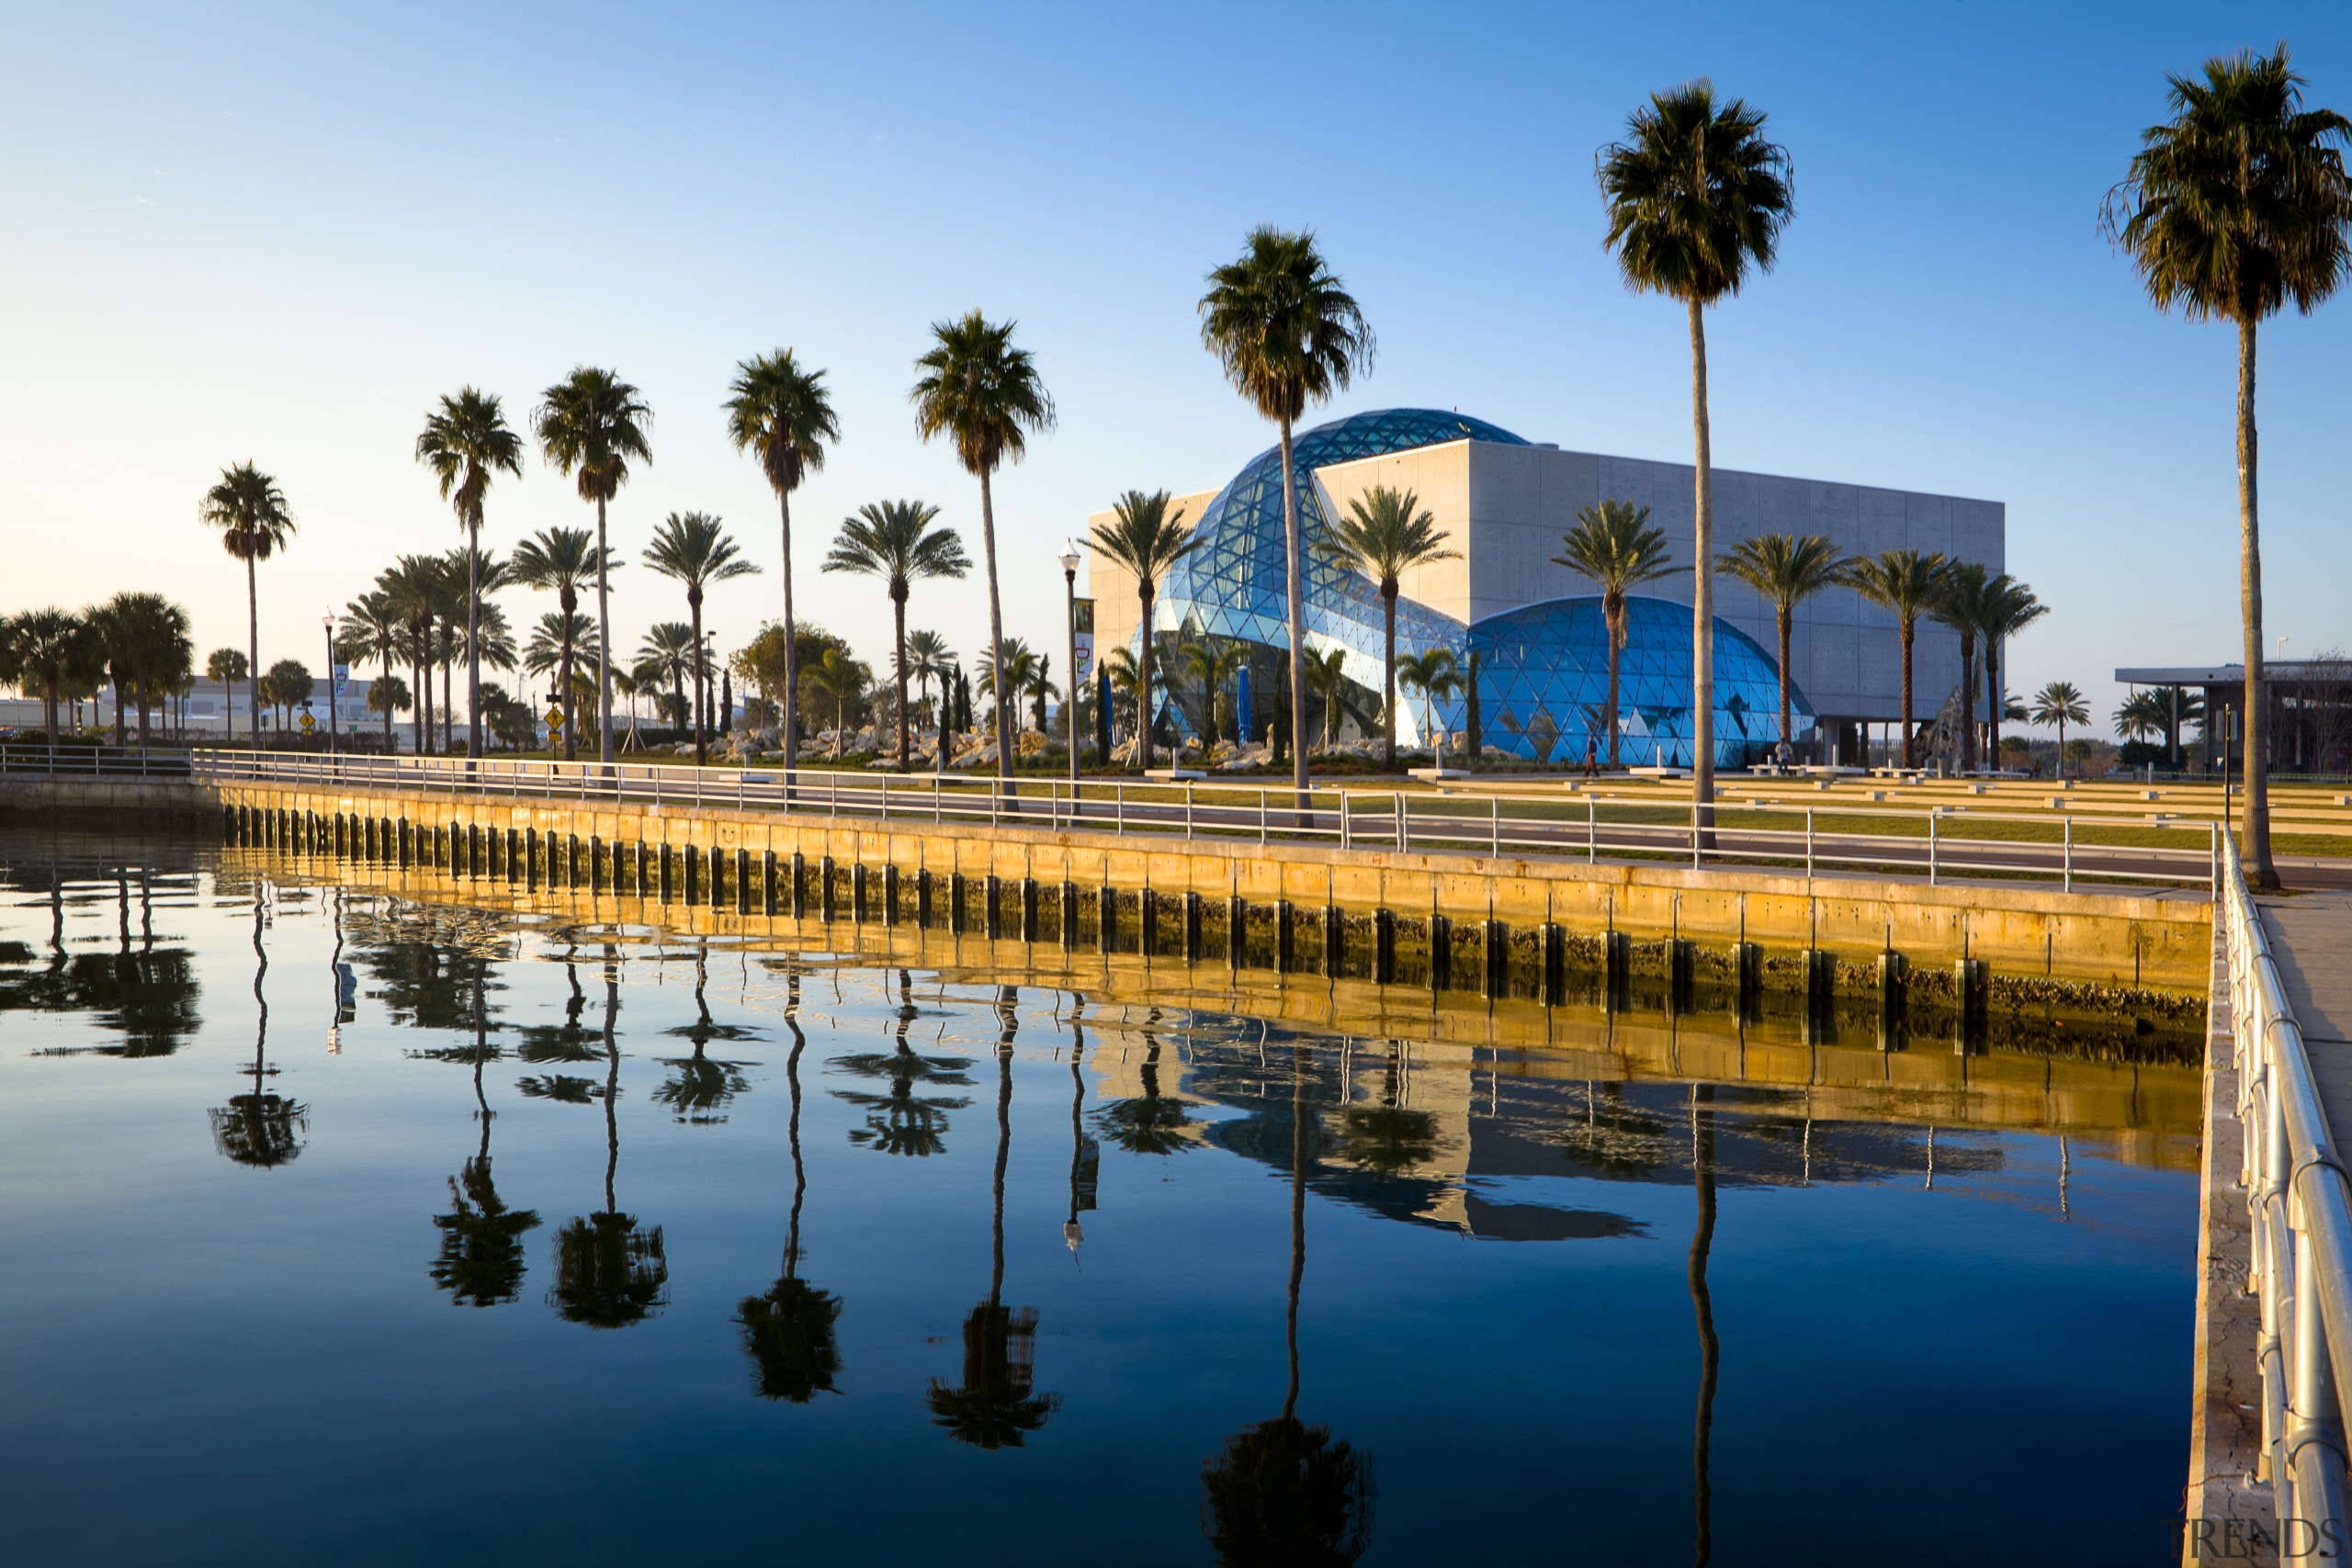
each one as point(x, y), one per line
point(555, 718)
point(309, 723)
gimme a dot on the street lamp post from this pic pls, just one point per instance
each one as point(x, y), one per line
point(1070, 607)
point(334, 689)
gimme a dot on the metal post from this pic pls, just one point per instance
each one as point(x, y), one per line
point(2067, 825)
point(1494, 832)
point(1694, 825)
point(1591, 830)
point(1932, 820)
point(1403, 835)
point(1808, 844)
point(1069, 617)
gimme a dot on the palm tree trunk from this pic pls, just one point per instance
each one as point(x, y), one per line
point(694, 607)
point(1388, 598)
point(1992, 701)
point(1703, 597)
point(121, 735)
point(2255, 822)
point(473, 636)
point(1702, 1307)
point(1295, 580)
point(1908, 631)
point(1004, 695)
point(898, 613)
point(448, 715)
point(1967, 701)
point(569, 603)
point(1785, 618)
point(604, 644)
point(1298, 1062)
point(1143, 685)
point(1616, 647)
point(791, 644)
point(253, 639)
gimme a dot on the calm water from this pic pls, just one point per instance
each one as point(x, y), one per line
point(536, 1242)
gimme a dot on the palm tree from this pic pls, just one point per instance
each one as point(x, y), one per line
point(1911, 583)
point(52, 651)
point(254, 523)
point(563, 560)
point(782, 412)
point(372, 629)
point(668, 654)
point(1382, 539)
point(839, 677)
point(1968, 598)
point(147, 647)
point(1210, 665)
point(925, 656)
point(1436, 675)
point(1617, 545)
point(388, 695)
point(1287, 334)
point(592, 423)
point(1128, 681)
point(609, 1273)
point(1326, 673)
point(693, 549)
point(1787, 569)
point(2232, 208)
point(465, 442)
point(226, 666)
point(894, 540)
point(1147, 539)
point(2139, 715)
point(789, 1332)
point(1696, 196)
point(480, 1262)
point(2009, 608)
point(1016, 673)
point(985, 394)
point(552, 652)
point(2061, 704)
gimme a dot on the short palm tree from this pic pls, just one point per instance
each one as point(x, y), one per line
point(465, 442)
point(147, 647)
point(1287, 334)
point(1696, 196)
point(388, 695)
point(226, 666)
point(1617, 545)
point(693, 549)
point(1211, 665)
point(53, 652)
point(562, 561)
point(1129, 680)
point(1015, 673)
point(251, 513)
point(894, 540)
point(372, 629)
point(1147, 539)
point(1911, 584)
point(2009, 608)
point(2235, 207)
point(1969, 593)
point(782, 412)
point(986, 396)
point(553, 650)
point(2061, 704)
point(667, 654)
point(1383, 536)
point(2139, 715)
point(1787, 569)
point(1436, 675)
point(839, 677)
point(1327, 676)
point(926, 656)
point(591, 426)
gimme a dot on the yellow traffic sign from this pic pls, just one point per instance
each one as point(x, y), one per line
point(309, 723)
point(555, 718)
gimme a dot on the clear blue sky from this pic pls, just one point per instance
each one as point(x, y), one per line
point(276, 234)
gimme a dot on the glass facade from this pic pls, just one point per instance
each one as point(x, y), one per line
point(1543, 670)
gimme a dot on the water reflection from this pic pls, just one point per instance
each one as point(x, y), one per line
point(790, 1332)
point(902, 1122)
point(1703, 1239)
point(262, 1128)
point(701, 1087)
point(1151, 1123)
point(481, 1239)
point(145, 995)
point(608, 1273)
point(997, 1405)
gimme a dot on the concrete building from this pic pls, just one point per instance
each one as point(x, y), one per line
point(1504, 503)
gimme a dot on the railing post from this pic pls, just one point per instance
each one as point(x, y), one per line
point(1694, 825)
point(2066, 825)
point(1495, 831)
point(1932, 820)
point(1808, 844)
point(1343, 816)
point(1347, 831)
point(1404, 833)
point(1591, 830)
point(1119, 807)
point(1188, 812)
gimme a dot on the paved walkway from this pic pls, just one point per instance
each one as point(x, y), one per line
point(2310, 940)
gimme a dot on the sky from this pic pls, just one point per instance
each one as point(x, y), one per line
point(278, 233)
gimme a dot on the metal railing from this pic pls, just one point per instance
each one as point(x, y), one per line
point(2301, 1214)
point(88, 761)
point(1941, 842)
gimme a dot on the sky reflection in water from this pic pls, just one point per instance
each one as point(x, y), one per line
point(342, 1229)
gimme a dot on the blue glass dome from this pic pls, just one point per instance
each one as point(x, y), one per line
point(1543, 685)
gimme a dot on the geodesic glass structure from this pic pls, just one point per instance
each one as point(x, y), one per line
point(1544, 670)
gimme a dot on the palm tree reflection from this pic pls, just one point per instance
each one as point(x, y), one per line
point(997, 1405)
point(609, 1274)
point(789, 1332)
point(261, 1128)
point(1702, 1168)
point(481, 1240)
point(902, 1122)
point(1284, 1493)
point(1150, 1124)
point(703, 1088)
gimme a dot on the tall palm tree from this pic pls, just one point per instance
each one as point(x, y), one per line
point(1617, 545)
point(562, 560)
point(2060, 703)
point(1147, 539)
point(2009, 608)
point(1696, 195)
point(371, 629)
point(591, 424)
point(2235, 207)
point(410, 586)
point(465, 442)
point(894, 540)
point(1788, 569)
point(782, 411)
point(839, 677)
point(925, 656)
point(1436, 675)
point(1911, 584)
point(1383, 538)
point(251, 513)
point(52, 651)
point(1288, 333)
point(987, 395)
point(692, 547)
point(1968, 598)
